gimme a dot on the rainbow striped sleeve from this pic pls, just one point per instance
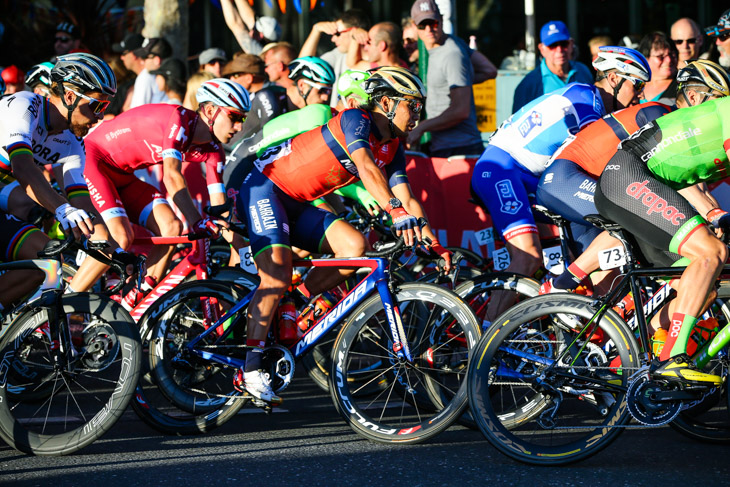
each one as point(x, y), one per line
point(20, 147)
point(16, 242)
point(76, 189)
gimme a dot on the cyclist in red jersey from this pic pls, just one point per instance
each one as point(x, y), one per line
point(160, 134)
point(356, 144)
point(568, 184)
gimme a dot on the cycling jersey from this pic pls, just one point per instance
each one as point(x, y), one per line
point(266, 104)
point(24, 126)
point(537, 130)
point(318, 162)
point(687, 146)
point(139, 138)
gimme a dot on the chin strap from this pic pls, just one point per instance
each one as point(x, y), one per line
point(391, 115)
point(211, 121)
point(616, 89)
point(304, 95)
point(69, 108)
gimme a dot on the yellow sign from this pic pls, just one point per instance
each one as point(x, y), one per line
point(485, 100)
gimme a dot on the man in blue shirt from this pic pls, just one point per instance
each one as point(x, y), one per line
point(556, 68)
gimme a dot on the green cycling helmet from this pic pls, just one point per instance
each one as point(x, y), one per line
point(351, 84)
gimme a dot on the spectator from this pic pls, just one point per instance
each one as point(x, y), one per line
point(686, 36)
point(452, 119)
point(153, 51)
point(14, 79)
point(67, 38)
point(212, 60)
point(662, 56)
point(125, 82)
point(340, 30)
point(126, 50)
point(556, 68)
point(198, 78)
point(595, 43)
point(410, 43)
point(170, 78)
point(377, 47)
point(247, 70)
point(721, 34)
point(277, 57)
point(251, 33)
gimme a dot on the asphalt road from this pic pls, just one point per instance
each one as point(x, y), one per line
point(306, 443)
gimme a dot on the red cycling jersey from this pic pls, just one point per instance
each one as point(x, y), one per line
point(319, 161)
point(594, 146)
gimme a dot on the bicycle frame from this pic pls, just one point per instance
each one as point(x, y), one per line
point(378, 278)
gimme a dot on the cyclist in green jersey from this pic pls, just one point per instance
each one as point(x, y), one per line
point(640, 189)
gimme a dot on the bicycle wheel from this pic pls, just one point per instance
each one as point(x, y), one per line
point(182, 394)
point(415, 400)
point(544, 393)
point(56, 407)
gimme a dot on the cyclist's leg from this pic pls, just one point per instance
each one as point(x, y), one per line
point(19, 241)
point(158, 217)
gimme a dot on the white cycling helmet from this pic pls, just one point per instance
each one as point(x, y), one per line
point(224, 93)
point(85, 72)
point(624, 60)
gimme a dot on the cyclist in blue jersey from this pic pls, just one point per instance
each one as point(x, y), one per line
point(509, 169)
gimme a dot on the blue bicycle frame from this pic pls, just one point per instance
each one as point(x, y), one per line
point(378, 278)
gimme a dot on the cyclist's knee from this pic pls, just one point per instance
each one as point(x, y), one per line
point(171, 227)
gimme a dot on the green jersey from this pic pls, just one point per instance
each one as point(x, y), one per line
point(686, 146)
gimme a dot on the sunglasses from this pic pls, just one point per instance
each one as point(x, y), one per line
point(415, 105)
point(638, 84)
point(679, 42)
point(234, 115)
point(339, 32)
point(63, 39)
point(325, 90)
point(561, 44)
point(97, 106)
point(428, 23)
point(724, 37)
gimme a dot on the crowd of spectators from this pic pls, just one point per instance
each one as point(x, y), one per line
point(147, 72)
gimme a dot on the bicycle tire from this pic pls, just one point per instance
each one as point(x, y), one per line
point(512, 389)
point(167, 399)
point(86, 396)
point(440, 328)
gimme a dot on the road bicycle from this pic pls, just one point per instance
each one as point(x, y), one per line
point(69, 363)
point(557, 377)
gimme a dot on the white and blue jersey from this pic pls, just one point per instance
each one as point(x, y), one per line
point(506, 174)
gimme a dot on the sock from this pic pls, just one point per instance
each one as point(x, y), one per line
point(570, 279)
point(253, 357)
point(678, 334)
point(68, 290)
point(149, 284)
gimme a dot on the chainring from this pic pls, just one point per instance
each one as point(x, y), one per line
point(643, 407)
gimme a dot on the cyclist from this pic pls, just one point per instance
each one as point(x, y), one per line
point(568, 184)
point(38, 78)
point(639, 189)
point(167, 135)
point(356, 144)
point(512, 163)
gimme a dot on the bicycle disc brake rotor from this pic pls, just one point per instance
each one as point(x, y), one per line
point(279, 362)
point(100, 346)
point(644, 408)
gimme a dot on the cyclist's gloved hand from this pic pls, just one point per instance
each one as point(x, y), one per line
point(70, 217)
point(443, 252)
point(719, 219)
point(402, 220)
point(205, 225)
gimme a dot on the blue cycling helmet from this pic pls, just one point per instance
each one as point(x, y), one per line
point(624, 60)
point(313, 69)
point(40, 73)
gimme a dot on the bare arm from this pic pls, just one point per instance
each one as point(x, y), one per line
point(700, 197)
point(483, 67)
point(234, 22)
point(354, 58)
point(457, 111)
point(33, 181)
point(247, 14)
point(176, 186)
point(309, 48)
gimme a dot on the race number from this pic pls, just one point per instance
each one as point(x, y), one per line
point(611, 258)
point(552, 258)
point(80, 256)
point(486, 236)
point(247, 263)
point(501, 259)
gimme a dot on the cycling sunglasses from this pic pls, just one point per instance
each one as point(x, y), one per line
point(97, 106)
point(325, 90)
point(415, 105)
point(638, 84)
point(234, 115)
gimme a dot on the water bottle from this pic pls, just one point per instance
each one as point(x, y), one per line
point(286, 320)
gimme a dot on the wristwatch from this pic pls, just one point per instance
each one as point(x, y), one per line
point(393, 203)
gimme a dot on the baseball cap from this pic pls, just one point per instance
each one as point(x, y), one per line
point(68, 28)
point(554, 31)
point(12, 75)
point(129, 43)
point(245, 63)
point(722, 27)
point(171, 68)
point(154, 45)
point(268, 27)
point(210, 55)
point(425, 10)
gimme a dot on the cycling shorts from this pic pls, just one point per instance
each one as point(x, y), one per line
point(630, 195)
point(119, 194)
point(276, 219)
point(13, 235)
point(504, 186)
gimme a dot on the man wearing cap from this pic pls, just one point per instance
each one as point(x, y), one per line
point(452, 119)
point(67, 38)
point(126, 50)
point(153, 51)
point(720, 33)
point(556, 68)
point(251, 33)
point(14, 79)
point(171, 77)
point(212, 60)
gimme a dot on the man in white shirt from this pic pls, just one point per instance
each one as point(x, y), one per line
point(154, 50)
